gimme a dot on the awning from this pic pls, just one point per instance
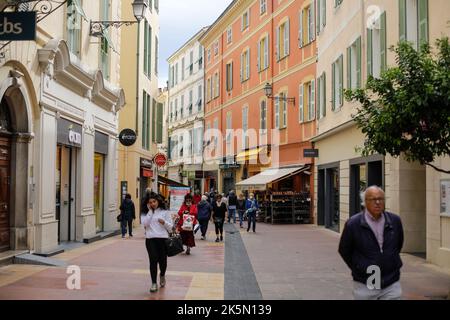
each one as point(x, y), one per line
point(107, 38)
point(79, 9)
point(167, 181)
point(250, 154)
point(259, 181)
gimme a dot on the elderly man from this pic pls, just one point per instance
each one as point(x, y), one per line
point(370, 245)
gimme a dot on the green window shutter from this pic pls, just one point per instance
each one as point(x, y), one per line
point(312, 111)
point(324, 101)
point(145, 46)
point(318, 23)
point(349, 67)
point(333, 86)
point(358, 63)
point(423, 21)
point(319, 97)
point(402, 19)
point(369, 52)
point(154, 121)
point(341, 80)
point(160, 111)
point(144, 118)
point(149, 50)
point(383, 42)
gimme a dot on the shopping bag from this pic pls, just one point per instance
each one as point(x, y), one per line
point(197, 226)
point(174, 245)
point(188, 222)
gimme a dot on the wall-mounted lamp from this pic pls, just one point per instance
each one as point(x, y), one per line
point(268, 90)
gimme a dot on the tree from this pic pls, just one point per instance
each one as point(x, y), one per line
point(407, 110)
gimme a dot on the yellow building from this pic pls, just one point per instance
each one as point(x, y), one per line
point(141, 112)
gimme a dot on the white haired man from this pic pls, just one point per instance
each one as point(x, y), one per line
point(371, 241)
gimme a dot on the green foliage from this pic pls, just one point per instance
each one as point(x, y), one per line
point(407, 110)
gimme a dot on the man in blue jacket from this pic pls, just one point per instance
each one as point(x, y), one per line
point(370, 245)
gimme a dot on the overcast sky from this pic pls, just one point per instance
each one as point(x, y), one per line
point(179, 21)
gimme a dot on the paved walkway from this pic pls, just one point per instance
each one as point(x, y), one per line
point(276, 262)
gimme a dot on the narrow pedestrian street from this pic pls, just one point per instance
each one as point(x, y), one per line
point(278, 262)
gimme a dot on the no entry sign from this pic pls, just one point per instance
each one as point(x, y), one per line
point(160, 159)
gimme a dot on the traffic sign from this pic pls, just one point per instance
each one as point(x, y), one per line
point(160, 159)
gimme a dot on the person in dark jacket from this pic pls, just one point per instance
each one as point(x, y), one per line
point(128, 214)
point(252, 207)
point(232, 203)
point(219, 214)
point(370, 246)
point(241, 209)
point(204, 210)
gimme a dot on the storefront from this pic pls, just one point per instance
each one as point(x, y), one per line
point(146, 175)
point(283, 194)
point(101, 152)
point(229, 168)
point(69, 143)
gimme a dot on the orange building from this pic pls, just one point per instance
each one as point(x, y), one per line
point(254, 43)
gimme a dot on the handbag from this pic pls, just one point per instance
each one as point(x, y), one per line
point(119, 218)
point(174, 245)
point(188, 222)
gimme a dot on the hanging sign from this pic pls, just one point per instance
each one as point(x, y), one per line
point(17, 26)
point(127, 137)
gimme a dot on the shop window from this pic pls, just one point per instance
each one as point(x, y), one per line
point(282, 41)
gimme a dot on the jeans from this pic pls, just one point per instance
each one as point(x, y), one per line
point(232, 213)
point(203, 226)
point(157, 254)
point(251, 216)
point(362, 292)
point(123, 225)
point(241, 217)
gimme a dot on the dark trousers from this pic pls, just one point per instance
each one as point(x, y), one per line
point(219, 227)
point(157, 254)
point(251, 218)
point(124, 224)
point(241, 217)
point(203, 226)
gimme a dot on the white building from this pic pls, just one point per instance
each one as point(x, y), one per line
point(58, 130)
point(186, 113)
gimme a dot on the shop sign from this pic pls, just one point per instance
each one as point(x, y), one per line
point(310, 153)
point(146, 163)
point(191, 175)
point(17, 26)
point(147, 173)
point(127, 137)
point(226, 166)
point(445, 197)
point(160, 159)
point(74, 138)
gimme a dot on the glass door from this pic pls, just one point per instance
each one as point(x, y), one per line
point(98, 190)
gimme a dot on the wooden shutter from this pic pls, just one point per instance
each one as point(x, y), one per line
point(402, 19)
point(301, 103)
point(333, 86)
point(324, 100)
point(277, 45)
point(231, 76)
point(312, 21)
point(300, 30)
point(369, 52)
point(318, 10)
point(266, 53)
point(423, 21)
point(358, 62)
point(319, 97)
point(349, 67)
point(242, 67)
point(259, 56)
point(248, 64)
point(286, 38)
point(341, 80)
point(312, 111)
point(145, 46)
point(383, 41)
point(277, 113)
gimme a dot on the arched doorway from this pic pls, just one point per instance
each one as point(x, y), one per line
point(5, 175)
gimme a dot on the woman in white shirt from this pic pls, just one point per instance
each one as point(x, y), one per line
point(157, 223)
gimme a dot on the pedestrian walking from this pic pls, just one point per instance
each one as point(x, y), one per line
point(128, 214)
point(251, 206)
point(372, 240)
point(186, 222)
point(197, 197)
point(204, 210)
point(157, 224)
point(219, 214)
point(240, 207)
point(232, 203)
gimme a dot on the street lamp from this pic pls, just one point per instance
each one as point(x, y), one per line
point(97, 28)
point(268, 90)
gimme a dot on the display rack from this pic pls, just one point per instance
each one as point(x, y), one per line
point(288, 207)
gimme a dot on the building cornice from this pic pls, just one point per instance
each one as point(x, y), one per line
point(333, 131)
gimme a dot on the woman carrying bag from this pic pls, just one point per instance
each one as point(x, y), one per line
point(157, 224)
point(219, 214)
point(186, 222)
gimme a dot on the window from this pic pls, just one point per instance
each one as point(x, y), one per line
point(191, 98)
point(200, 57)
point(245, 65)
point(216, 84)
point(147, 49)
point(183, 65)
point(377, 47)
point(262, 6)
point(245, 20)
point(229, 76)
point(146, 105)
point(208, 89)
point(307, 32)
point(283, 106)
point(181, 147)
point(307, 101)
point(263, 116)
point(74, 15)
point(245, 126)
point(216, 48)
point(282, 44)
point(337, 80)
point(229, 35)
point(104, 43)
point(190, 142)
point(263, 54)
point(199, 101)
point(176, 73)
point(208, 53)
point(156, 54)
point(191, 63)
point(321, 96)
point(176, 109)
point(277, 114)
point(321, 20)
point(354, 65)
point(414, 21)
point(181, 106)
